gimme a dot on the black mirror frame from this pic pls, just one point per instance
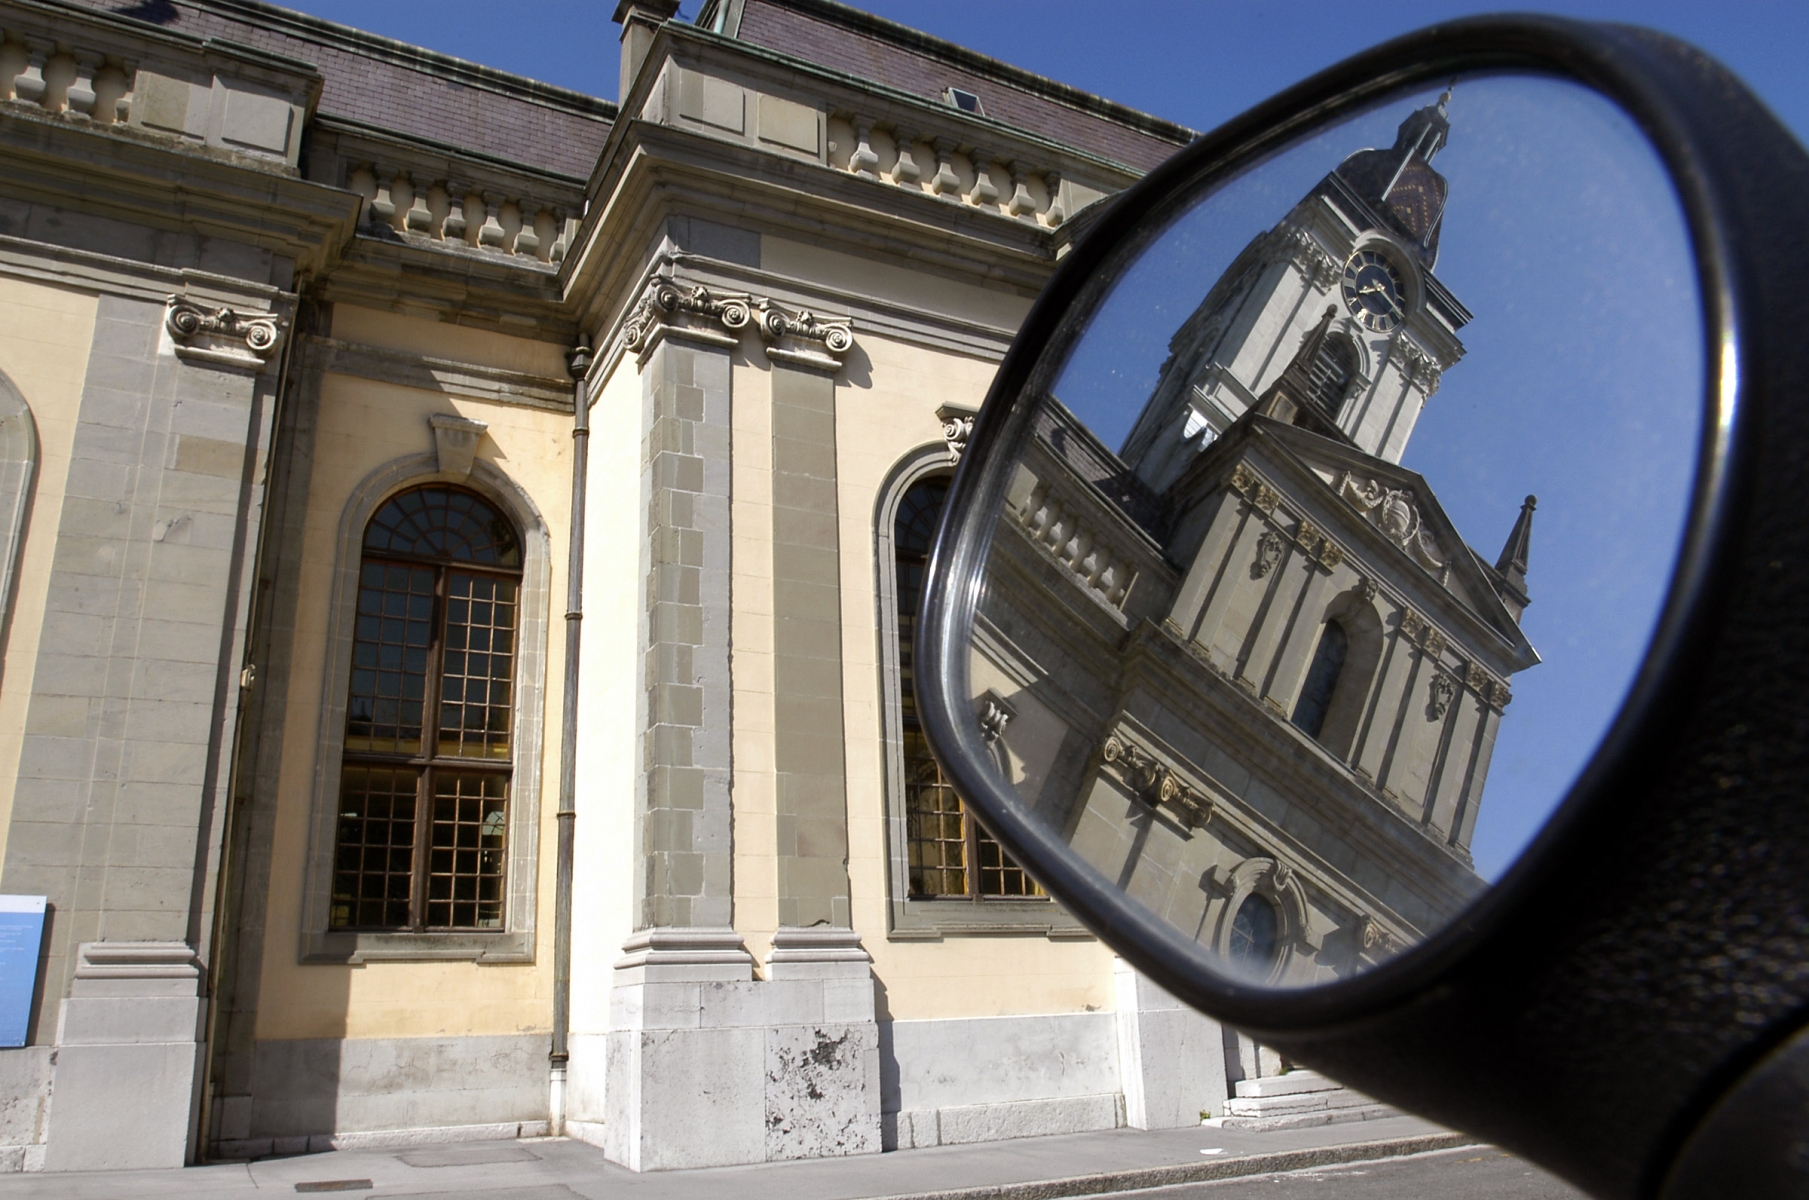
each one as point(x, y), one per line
point(1649, 947)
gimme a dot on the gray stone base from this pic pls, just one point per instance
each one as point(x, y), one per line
point(334, 1093)
point(709, 1067)
point(970, 1123)
point(379, 1139)
point(24, 1087)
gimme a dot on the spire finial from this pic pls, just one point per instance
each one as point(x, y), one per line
point(1512, 563)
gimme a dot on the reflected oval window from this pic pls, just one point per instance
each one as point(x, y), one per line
point(1255, 936)
point(1272, 584)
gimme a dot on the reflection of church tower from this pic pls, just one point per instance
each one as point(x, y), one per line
point(1308, 664)
point(1332, 320)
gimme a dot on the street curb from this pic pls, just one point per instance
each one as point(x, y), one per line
point(1202, 1172)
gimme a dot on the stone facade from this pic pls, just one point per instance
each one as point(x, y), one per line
point(262, 278)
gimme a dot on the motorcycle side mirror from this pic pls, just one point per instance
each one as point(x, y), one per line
point(1216, 641)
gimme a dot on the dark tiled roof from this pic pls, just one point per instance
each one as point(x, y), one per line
point(845, 39)
point(403, 88)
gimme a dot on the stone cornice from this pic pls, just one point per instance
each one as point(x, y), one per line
point(151, 181)
point(809, 202)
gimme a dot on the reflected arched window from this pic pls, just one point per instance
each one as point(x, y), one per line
point(950, 856)
point(1329, 377)
point(1255, 934)
point(1322, 679)
point(424, 782)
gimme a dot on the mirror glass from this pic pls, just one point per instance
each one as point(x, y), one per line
point(1274, 634)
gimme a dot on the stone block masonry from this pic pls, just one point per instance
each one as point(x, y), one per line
point(685, 820)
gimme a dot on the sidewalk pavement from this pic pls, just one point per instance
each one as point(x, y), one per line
point(1042, 1168)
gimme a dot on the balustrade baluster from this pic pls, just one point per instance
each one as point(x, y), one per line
point(491, 233)
point(113, 94)
point(1021, 204)
point(863, 161)
point(945, 182)
point(906, 172)
point(527, 238)
point(985, 193)
point(80, 94)
point(452, 229)
point(1057, 212)
point(419, 217)
point(30, 84)
point(383, 205)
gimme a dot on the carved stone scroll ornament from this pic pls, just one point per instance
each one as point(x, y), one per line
point(1154, 783)
point(1396, 515)
point(800, 337)
point(1376, 941)
point(957, 426)
point(995, 715)
point(222, 335)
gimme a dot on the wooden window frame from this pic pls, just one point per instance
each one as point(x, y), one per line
point(428, 764)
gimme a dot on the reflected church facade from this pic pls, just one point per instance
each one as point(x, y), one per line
point(1282, 669)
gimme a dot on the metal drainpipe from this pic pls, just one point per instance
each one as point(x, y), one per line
point(578, 362)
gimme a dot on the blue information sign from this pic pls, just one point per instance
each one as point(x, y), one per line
point(21, 932)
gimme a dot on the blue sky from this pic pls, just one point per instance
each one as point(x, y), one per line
point(1607, 485)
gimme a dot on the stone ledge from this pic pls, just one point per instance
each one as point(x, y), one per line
point(375, 1139)
point(965, 1124)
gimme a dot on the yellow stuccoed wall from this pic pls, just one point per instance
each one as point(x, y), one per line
point(45, 336)
point(362, 425)
point(891, 413)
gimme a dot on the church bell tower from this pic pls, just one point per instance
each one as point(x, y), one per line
point(1333, 320)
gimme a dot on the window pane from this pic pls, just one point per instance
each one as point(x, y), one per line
point(444, 522)
point(373, 862)
point(935, 825)
point(475, 700)
point(466, 857)
point(389, 658)
point(1000, 875)
point(1322, 680)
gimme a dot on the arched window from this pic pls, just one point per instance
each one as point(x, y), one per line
point(425, 778)
point(950, 856)
point(1255, 935)
point(1330, 374)
point(1322, 679)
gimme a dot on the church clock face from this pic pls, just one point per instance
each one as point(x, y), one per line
point(1372, 291)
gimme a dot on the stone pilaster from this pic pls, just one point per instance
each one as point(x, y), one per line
point(1171, 1059)
point(128, 1059)
point(685, 819)
point(811, 800)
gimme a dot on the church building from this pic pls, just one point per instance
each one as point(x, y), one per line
point(459, 540)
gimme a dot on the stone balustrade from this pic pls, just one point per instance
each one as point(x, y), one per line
point(106, 71)
point(59, 78)
point(454, 211)
point(957, 169)
point(1062, 525)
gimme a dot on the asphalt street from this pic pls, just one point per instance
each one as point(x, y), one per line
point(1470, 1173)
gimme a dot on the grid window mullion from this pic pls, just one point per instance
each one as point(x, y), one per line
point(422, 832)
